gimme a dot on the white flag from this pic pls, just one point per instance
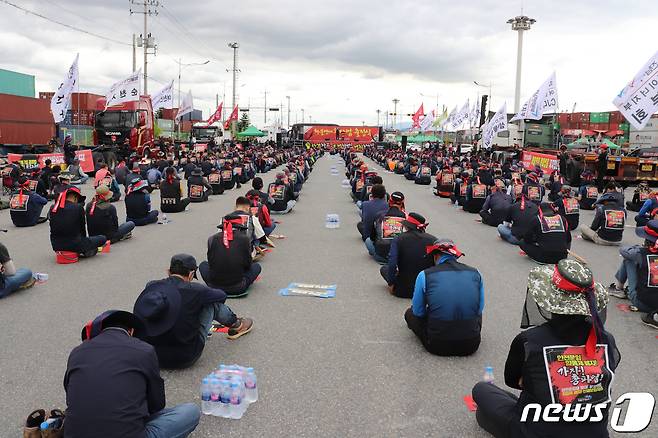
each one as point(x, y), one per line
point(474, 116)
point(461, 116)
point(126, 90)
point(427, 121)
point(186, 106)
point(61, 100)
point(163, 98)
point(497, 124)
point(639, 99)
point(543, 101)
point(450, 118)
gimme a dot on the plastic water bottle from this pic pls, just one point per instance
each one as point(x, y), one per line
point(206, 404)
point(225, 398)
point(488, 374)
point(215, 404)
point(40, 277)
point(164, 218)
point(51, 423)
point(332, 220)
point(236, 402)
point(251, 386)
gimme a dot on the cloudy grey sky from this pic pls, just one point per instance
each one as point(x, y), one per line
point(342, 60)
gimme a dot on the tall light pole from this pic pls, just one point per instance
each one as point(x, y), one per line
point(302, 115)
point(519, 24)
point(180, 68)
point(288, 97)
point(378, 111)
point(395, 110)
point(235, 70)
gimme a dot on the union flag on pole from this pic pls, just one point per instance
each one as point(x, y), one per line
point(232, 118)
point(217, 116)
point(416, 117)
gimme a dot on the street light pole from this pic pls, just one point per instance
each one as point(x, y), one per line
point(302, 115)
point(520, 24)
point(378, 111)
point(288, 97)
point(180, 68)
point(395, 110)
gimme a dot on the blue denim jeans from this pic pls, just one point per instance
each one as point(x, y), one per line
point(506, 234)
point(627, 272)
point(219, 312)
point(370, 246)
point(12, 283)
point(176, 422)
point(268, 230)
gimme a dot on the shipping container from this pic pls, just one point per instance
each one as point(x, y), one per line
point(17, 84)
point(24, 109)
point(165, 125)
point(26, 132)
point(599, 126)
point(616, 117)
point(625, 126)
point(563, 119)
point(79, 101)
point(170, 114)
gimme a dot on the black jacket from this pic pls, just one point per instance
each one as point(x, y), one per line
point(521, 219)
point(228, 265)
point(112, 385)
point(68, 227)
point(104, 221)
point(609, 222)
point(137, 205)
point(409, 255)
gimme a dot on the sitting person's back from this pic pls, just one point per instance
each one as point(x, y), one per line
point(138, 205)
point(25, 206)
point(446, 309)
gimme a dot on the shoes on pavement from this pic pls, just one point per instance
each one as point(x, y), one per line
point(614, 290)
point(127, 236)
point(55, 432)
point(32, 427)
point(241, 327)
point(650, 320)
point(633, 308)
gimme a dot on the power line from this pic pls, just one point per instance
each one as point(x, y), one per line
point(77, 29)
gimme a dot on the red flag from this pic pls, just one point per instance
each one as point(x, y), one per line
point(234, 117)
point(217, 116)
point(416, 117)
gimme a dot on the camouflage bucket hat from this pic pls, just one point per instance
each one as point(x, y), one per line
point(549, 297)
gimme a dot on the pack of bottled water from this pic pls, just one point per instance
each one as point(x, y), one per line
point(334, 170)
point(228, 391)
point(332, 220)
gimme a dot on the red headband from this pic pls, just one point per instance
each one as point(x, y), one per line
point(418, 225)
point(447, 248)
point(228, 230)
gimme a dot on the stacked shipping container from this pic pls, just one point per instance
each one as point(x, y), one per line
point(25, 120)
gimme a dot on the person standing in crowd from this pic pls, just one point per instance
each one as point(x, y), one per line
point(138, 205)
point(171, 193)
point(601, 166)
point(68, 226)
point(447, 304)
point(520, 217)
point(407, 256)
point(638, 270)
point(113, 362)
point(608, 225)
point(25, 205)
point(371, 210)
point(102, 218)
point(12, 279)
point(230, 266)
point(569, 325)
point(178, 314)
point(495, 208)
point(548, 239)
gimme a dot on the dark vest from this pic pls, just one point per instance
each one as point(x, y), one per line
point(614, 219)
point(136, 206)
point(411, 260)
point(647, 282)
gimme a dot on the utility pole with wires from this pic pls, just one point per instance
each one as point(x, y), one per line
point(265, 111)
point(235, 71)
point(145, 40)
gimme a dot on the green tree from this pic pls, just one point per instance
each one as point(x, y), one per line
point(244, 122)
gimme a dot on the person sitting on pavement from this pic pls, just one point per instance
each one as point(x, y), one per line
point(533, 191)
point(407, 256)
point(68, 226)
point(548, 239)
point(178, 314)
point(254, 228)
point(638, 269)
point(61, 183)
point(282, 194)
point(447, 304)
point(215, 181)
point(114, 362)
point(198, 187)
point(647, 212)
point(153, 175)
point(138, 205)
point(261, 213)
point(133, 176)
point(77, 175)
point(364, 195)
point(387, 227)
point(588, 193)
point(520, 217)
point(257, 187)
point(563, 307)
point(230, 265)
point(25, 206)
point(568, 207)
point(371, 210)
point(102, 218)
point(641, 194)
point(476, 195)
point(554, 185)
point(121, 172)
point(171, 193)
point(104, 177)
point(496, 206)
point(12, 279)
point(608, 225)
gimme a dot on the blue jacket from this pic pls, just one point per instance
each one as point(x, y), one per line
point(451, 296)
point(648, 206)
point(370, 211)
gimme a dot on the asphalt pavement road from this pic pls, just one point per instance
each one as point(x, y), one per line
point(341, 367)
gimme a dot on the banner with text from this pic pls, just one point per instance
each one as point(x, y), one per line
point(547, 162)
point(164, 98)
point(126, 90)
point(32, 161)
point(497, 124)
point(639, 99)
point(61, 100)
point(543, 101)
